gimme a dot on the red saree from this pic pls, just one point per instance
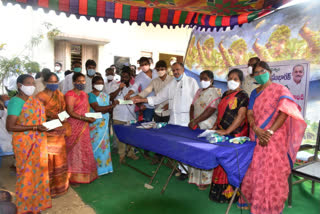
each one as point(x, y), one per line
point(81, 163)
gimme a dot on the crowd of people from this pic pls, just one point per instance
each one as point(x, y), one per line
point(79, 151)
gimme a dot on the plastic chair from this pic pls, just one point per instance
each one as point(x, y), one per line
point(308, 171)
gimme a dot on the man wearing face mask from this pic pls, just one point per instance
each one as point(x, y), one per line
point(142, 81)
point(67, 84)
point(91, 72)
point(249, 84)
point(162, 114)
point(58, 70)
point(179, 93)
point(123, 113)
point(110, 83)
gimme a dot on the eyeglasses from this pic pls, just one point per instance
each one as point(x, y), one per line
point(259, 72)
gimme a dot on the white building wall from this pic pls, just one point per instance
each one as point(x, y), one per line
point(19, 25)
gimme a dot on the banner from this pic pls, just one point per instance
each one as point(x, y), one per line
point(294, 74)
point(292, 33)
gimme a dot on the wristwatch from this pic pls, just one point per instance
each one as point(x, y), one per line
point(270, 131)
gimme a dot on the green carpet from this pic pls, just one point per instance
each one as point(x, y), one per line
point(123, 191)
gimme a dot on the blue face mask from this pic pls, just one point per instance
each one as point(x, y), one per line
point(77, 70)
point(52, 86)
point(80, 87)
point(91, 72)
point(178, 78)
point(6, 103)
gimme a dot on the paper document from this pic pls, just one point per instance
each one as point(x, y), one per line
point(125, 102)
point(96, 115)
point(206, 133)
point(63, 115)
point(52, 124)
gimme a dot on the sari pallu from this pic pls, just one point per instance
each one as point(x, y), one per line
point(228, 108)
point(30, 148)
point(265, 184)
point(99, 133)
point(81, 164)
point(57, 154)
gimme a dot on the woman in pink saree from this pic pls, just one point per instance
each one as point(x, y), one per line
point(278, 128)
point(81, 163)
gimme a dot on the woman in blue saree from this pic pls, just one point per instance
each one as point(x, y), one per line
point(99, 130)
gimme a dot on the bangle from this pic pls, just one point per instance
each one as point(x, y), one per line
point(80, 118)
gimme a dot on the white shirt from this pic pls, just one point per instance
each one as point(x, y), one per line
point(110, 87)
point(180, 96)
point(5, 137)
point(11, 82)
point(298, 92)
point(67, 84)
point(143, 80)
point(88, 88)
point(124, 113)
point(60, 75)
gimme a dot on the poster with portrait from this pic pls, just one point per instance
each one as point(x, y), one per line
point(294, 74)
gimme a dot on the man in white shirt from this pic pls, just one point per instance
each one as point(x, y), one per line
point(58, 70)
point(249, 83)
point(297, 85)
point(180, 93)
point(67, 82)
point(5, 136)
point(110, 84)
point(123, 113)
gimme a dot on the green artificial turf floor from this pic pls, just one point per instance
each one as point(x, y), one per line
point(123, 191)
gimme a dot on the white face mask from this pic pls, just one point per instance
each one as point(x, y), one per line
point(110, 77)
point(233, 85)
point(161, 73)
point(57, 68)
point(1, 113)
point(98, 87)
point(205, 84)
point(28, 90)
point(250, 70)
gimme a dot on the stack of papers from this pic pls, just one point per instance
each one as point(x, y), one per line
point(63, 115)
point(125, 102)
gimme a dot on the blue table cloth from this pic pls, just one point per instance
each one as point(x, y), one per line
point(182, 144)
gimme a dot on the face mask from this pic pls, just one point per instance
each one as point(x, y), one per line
point(91, 72)
point(98, 87)
point(262, 78)
point(250, 70)
point(1, 113)
point(6, 103)
point(80, 87)
point(178, 78)
point(52, 86)
point(233, 85)
point(110, 77)
point(57, 68)
point(77, 70)
point(161, 73)
point(205, 84)
point(28, 90)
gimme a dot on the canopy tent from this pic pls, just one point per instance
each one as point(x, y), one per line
point(203, 14)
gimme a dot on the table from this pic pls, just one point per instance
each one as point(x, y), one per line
point(182, 144)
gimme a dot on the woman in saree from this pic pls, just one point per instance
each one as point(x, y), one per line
point(99, 130)
point(81, 164)
point(231, 120)
point(203, 115)
point(277, 126)
point(53, 101)
point(29, 140)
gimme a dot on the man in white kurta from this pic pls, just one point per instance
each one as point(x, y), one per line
point(180, 93)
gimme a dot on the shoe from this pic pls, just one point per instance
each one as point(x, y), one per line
point(203, 186)
point(182, 177)
point(133, 157)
